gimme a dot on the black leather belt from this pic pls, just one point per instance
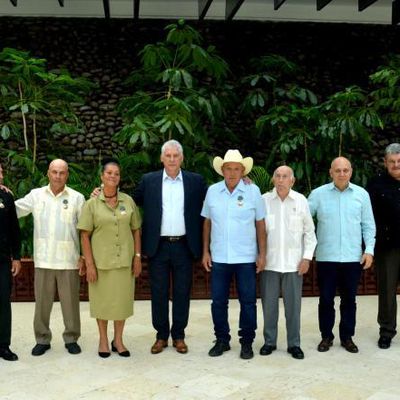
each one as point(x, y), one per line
point(173, 238)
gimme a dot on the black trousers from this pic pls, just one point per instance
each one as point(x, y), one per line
point(173, 259)
point(388, 275)
point(344, 277)
point(5, 303)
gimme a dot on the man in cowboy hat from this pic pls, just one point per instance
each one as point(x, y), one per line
point(234, 244)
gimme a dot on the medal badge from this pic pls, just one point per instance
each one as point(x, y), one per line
point(65, 203)
point(240, 201)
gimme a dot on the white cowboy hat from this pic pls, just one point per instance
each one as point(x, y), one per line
point(233, 156)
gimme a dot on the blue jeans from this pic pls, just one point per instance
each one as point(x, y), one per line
point(221, 277)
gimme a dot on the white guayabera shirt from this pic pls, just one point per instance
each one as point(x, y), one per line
point(55, 237)
point(290, 231)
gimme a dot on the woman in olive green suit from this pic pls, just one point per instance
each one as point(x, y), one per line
point(110, 235)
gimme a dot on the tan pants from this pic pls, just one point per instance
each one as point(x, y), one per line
point(67, 282)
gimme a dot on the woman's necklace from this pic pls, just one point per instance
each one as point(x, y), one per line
point(110, 197)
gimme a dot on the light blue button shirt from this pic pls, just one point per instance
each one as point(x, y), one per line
point(344, 220)
point(173, 217)
point(233, 217)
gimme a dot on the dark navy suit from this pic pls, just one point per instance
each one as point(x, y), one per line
point(170, 257)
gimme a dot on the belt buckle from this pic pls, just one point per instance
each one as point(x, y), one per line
point(174, 238)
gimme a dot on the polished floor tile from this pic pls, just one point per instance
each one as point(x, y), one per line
point(372, 374)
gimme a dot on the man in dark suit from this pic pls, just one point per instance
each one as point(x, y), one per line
point(10, 265)
point(172, 200)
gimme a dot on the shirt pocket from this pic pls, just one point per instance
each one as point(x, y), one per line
point(65, 250)
point(296, 223)
point(67, 215)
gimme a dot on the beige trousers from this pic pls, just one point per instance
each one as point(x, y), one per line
point(67, 284)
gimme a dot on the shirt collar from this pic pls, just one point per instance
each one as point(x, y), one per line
point(166, 177)
point(275, 194)
point(64, 191)
point(239, 187)
point(333, 187)
point(102, 198)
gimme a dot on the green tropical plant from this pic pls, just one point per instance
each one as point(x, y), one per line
point(386, 97)
point(348, 115)
point(179, 92)
point(37, 100)
point(285, 113)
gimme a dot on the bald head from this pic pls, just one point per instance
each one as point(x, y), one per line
point(283, 180)
point(58, 163)
point(341, 172)
point(58, 175)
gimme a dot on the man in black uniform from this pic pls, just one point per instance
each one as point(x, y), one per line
point(384, 190)
point(10, 265)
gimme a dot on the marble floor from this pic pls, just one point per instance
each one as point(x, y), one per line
point(372, 374)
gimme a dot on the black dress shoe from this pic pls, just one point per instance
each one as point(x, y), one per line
point(125, 353)
point(40, 349)
point(73, 348)
point(266, 350)
point(8, 355)
point(104, 354)
point(296, 352)
point(246, 353)
point(219, 349)
point(325, 345)
point(349, 345)
point(384, 342)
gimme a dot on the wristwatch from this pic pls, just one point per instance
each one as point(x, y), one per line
point(138, 255)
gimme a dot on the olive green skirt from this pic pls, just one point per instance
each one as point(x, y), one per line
point(111, 296)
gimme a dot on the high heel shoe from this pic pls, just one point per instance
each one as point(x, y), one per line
point(104, 354)
point(125, 353)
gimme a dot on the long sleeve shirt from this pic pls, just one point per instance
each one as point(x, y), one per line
point(290, 231)
point(10, 238)
point(344, 221)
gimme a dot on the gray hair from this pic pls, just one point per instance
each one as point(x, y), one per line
point(289, 168)
point(172, 143)
point(393, 148)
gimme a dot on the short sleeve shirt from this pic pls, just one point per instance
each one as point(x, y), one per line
point(112, 238)
point(233, 217)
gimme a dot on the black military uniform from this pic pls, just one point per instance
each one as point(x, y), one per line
point(10, 247)
point(385, 198)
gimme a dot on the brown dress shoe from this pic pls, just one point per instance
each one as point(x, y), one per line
point(350, 346)
point(158, 346)
point(180, 346)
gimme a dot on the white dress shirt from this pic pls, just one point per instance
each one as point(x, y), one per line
point(173, 218)
point(55, 237)
point(290, 231)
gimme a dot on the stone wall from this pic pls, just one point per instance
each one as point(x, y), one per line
point(333, 56)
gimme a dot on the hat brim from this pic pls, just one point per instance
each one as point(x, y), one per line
point(247, 163)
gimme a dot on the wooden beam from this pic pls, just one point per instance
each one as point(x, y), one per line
point(395, 12)
point(204, 5)
point(14, 2)
point(136, 9)
point(363, 4)
point(106, 5)
point(231, 8)
point(322, 3)
point(278, 3)
point(61, 3)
